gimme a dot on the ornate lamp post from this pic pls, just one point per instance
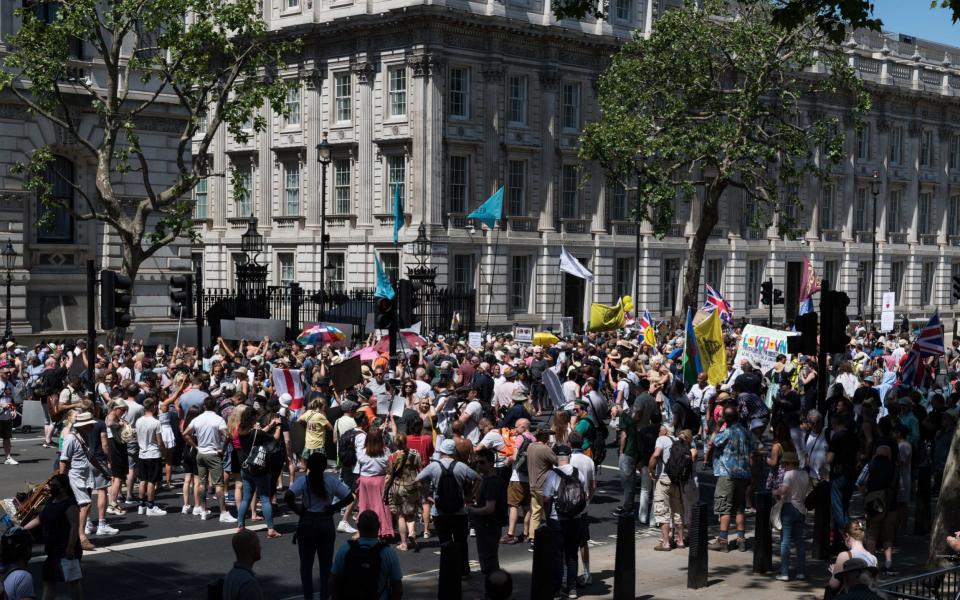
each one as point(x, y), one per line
point(252, 276)
point(875, 190)
point(9, 258)
point(324, 156)
point(422, 248)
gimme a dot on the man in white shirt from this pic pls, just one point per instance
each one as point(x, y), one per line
point(208, 433)
point(584, 464)
point(816, 447)
point(471, 415)
point(152, 448)
point(667, 502)
point(700, 396)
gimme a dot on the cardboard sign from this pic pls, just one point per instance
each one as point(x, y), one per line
point(345, 374)
point(523, 335)
point(888, 311)
point(475, 339)
point(244, 328)
point(390, 406)
point(554, 390)
point(566, 326)
point(761, 345)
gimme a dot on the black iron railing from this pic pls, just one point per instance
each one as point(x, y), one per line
point(942, 584)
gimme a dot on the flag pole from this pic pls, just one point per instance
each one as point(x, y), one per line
point(493, 274)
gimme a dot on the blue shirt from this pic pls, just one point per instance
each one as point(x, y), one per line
point(732, 449)
point(336, 491)
point(389, 564)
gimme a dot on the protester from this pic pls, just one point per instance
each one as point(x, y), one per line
point(241, 583)
point(792, 492)
point(60, 523)
point(731, 451)
point(489, 512)
point(366, 568)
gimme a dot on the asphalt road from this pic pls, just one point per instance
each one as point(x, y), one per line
point(176, 556)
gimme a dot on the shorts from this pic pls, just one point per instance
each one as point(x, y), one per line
point(730, 496)
point(235, 463)
point(6, 429)
point(881, 530)
point(169, 440)
point(150, 470)
point(584, 530)
point(349, 478)
point(190, 466)
point(210, 467)
point(518, 493)
point(667, 502)
point(120, 465)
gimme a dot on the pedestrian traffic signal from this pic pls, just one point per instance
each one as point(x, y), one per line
point(956, 287)
point(766, 292)
point(115, 298)
point(409, 300)
point(778, 297)
point(833, 307)
point(181, 292)
point(386, 313)
point(806, 342)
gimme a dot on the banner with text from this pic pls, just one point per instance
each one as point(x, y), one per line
point(761, 345)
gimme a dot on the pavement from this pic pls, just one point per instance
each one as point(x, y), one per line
point(176, 556)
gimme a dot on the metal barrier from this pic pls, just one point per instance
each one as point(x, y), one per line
point(942, 584)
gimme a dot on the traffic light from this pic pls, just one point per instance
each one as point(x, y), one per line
point(409, 297)
point(115, 298)
point(766, 292)
point(833, 306)
point(956, 287)
point(806, 342)
point(778, 296)
point(181, 292)
point(386, 313)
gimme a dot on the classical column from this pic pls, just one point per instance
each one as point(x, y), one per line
point(314, 78)
point(549, 82)
point(363, 70)
point(426, 128)
point(493, 120)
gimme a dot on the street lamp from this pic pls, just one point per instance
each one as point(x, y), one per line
point(251, 242)
point(875, 190)
point(9, 258)
point(422, 250)
point(324, 156)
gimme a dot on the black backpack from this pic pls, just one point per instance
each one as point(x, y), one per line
point(39, 388)
point(571, 498)
point(688, 418)
point(448, 497)
point(679, 467)
point(346, 449)
point(522, 457)
point(360, 578)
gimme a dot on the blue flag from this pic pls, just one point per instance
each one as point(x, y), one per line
point(491, 210)
point(384, 287)
point(397, 213)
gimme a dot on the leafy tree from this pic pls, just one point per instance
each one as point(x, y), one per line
point(716, 100)
point(206, 63)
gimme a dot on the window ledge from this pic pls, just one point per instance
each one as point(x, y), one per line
point(202, 220)
point(288, 218)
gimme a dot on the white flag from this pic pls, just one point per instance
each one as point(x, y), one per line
point(569, 264)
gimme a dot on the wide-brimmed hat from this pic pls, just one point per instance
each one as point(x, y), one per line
point(855, 564)
point(519, 395)
point(83, 419)
point(240, 371)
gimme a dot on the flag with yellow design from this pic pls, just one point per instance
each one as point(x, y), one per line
point(604, 317)
point(713, 355)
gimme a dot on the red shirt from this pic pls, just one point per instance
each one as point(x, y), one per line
point(422, 444)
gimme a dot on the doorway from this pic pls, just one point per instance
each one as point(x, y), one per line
point(574, 298)
point(792, 305)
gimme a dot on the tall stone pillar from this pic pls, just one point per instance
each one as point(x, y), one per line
point(549, 125)
point(364, 72)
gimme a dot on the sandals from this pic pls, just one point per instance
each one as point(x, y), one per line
point(509, 539)
point(272, 535)
point(662, 548)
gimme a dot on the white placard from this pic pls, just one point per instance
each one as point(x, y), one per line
point(253, 329)
point(387, 406)
point(566, 326)
point(762, 345)
point(475, 339)
point(888, 311)
point(523, 334)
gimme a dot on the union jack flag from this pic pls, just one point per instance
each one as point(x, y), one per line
point(913, 371)
point(930, 340)
point(715, 301)
point(646, 320)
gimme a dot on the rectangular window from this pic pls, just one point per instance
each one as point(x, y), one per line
point(517, 104)
point(397, 89)
point(953, 216)
point(396, 179)
point(460, 92)
point(291, 188)
point(292, 118)
point(624, 10)
point(713, 274)
point(618, 203)
point(622, 278)
point(343, 97)
point(831, 272)
point(291, 4)
point(463, 269)
point(896, 145)
point(955, 152)
point(200, 199)
point(893, 211)
point(286, 269)
point(754, 278)
point(926, 148)
point(458, 178)
point(391, 265)
point(569, 192)
point(826, 207)
point(860, 210)
point(864, 283)
point(896, 278)
point(670, 280)
point(926, 283)
point(243, 195)
point(342, 199)
point(863, 142)
point(516, 188)
point(924, 212)
point(337, 271)
point(571, 106)
point(520, 283)
point(954, 273)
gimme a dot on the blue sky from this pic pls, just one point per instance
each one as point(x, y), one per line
point(915, 17)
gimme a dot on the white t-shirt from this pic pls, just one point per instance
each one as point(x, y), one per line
point(570, 390)
point(664, 442)
point(211, 431)
point(358, 445)
point(371, 466)
point(552, 484)
point(585, 465)
point(494, 441)
point(147, 429)
point(471, 429)
point(424, 389)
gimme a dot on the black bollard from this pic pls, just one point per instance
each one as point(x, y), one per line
point(546, 558)
point(921, 518)
point(697, 562)
point(821, 522)
point(625, 564)
point(763, 536)
point(448, 582)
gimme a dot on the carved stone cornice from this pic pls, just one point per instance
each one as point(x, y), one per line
point(425, 65)
point(492, 73)
point(313, 76)
point(363, 70)
point(550, 80)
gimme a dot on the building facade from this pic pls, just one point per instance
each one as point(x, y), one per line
point(446, 102)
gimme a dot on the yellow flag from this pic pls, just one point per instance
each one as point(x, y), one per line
point(605, 318)
point(650, 337)
point(712, 353)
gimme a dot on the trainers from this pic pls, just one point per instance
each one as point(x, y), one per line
point(227, 518)
point(473, 532)
point(197, 511)
point(204, 515)
point(783, 578)
point(10, 461)
point(88, 528)
point(87, 545)
point(719, 546)
point(345, 527)
point(155, 511)
point(104, 529)
point(741, 544)
point(887, 572)
point(113, 509)
point(185, 510)
point(800, 577)
point(572, 593)
point(141, 510)
point(584, 580)
point(130, 500)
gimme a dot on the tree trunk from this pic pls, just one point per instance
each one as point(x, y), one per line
point(946, 518)
point(709, 215)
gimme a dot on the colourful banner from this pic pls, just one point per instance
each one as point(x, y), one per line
point(761, 346)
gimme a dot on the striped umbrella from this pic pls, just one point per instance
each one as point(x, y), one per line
point(320, 334)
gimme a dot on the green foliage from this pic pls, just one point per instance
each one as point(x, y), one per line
point(216, 66)
point(716, 99)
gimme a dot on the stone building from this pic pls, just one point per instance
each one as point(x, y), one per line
point(447, 101)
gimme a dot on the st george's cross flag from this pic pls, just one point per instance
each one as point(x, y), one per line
point(288, 381)
point(570, 264)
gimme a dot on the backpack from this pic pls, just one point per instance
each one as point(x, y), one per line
point(39, 388)
point(346, 449)
point(688, 418)
point(509, 442)
point(598, 439)
point(360, 579)
point(679, 466)
point(522, 457)
point(570, 499)
point(633, 390)
point(448, 497)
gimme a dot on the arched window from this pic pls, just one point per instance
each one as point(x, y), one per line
point(59, 230)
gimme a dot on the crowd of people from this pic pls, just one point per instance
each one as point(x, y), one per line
point(452, 441)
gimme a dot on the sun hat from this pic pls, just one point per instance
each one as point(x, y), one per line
point(448, 447)
point(83, 419)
